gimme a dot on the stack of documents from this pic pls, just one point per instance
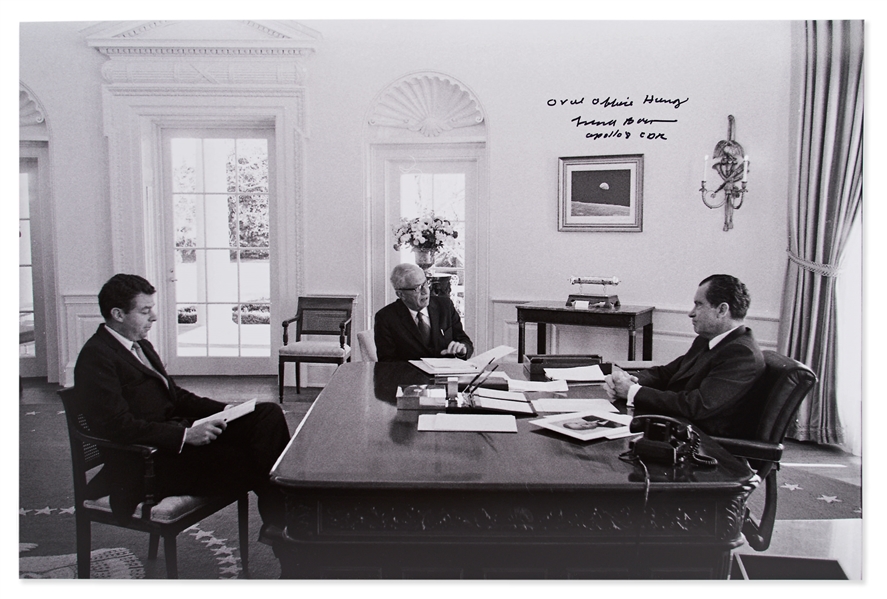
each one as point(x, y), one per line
point(587, 425)
point(585, 374)
point(502, 401)
point(570, 404)
point(455, 366)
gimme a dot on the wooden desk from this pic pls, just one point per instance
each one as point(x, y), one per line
point(368, 496)
point(625, 317)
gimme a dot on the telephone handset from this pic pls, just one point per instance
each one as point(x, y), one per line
point(667, 440)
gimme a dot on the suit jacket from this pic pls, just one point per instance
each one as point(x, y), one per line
point(709, 387)
point(127, 402)
point(397, 336)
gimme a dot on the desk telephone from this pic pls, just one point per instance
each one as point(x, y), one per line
point(667, 441)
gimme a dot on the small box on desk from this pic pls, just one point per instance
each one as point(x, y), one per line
point(537, 363)
point(421, 397)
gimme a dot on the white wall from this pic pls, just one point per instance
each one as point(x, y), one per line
point(514, 68)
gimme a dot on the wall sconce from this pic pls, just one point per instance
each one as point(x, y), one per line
point(731, 163)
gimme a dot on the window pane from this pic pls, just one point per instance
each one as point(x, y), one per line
point(185, 160)
point(188, 264)
point(252, 165)
point(24, 204)
point(191, 330)
point(25, 289)
point(185, 220)
point(218, 165)
point(24, 242)
point(221, 277)
point(222, 331)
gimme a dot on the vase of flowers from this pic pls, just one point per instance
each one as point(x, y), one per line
point(425, 235)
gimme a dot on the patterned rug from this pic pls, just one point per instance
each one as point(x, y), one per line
point(117, 563)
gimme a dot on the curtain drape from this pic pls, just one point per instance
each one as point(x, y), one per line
point(824, 205)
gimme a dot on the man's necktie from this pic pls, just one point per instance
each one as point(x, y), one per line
point(424, 328)
point(144, 360)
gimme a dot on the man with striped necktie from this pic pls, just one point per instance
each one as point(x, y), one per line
point(127, 396)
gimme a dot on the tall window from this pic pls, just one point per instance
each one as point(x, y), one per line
point(221, 246)
point(444, 195)
point(27, 345)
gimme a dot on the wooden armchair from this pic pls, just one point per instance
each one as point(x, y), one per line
point(330, 316)
point(165, 518)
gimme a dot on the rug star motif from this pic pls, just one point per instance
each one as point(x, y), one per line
point(23, 512)
point(792, 487)
point(203, 533)
point(829, 499)
point(66, 510)
point(215, 541)
point(47, 510)
point(222, 550)
point(228, 559)
point(60, 412)
point(30, 413)
point(230, 570)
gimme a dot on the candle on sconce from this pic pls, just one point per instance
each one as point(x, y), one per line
point(745, 169)
point(705, 169)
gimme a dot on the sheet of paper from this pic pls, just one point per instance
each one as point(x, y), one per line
point(569, 404)
point(550, 386)
point(230, 414)
point(636, 364)
point(490, 356)
point(589, 374)
point(478, 423)
point(497, 394)
point(520, 407)
point(449, 364)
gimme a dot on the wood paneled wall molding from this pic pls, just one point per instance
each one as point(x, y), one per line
point(427, 103)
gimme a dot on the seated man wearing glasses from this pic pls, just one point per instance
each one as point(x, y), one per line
point(418, 325)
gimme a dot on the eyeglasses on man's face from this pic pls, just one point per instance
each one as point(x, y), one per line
point(417, 289)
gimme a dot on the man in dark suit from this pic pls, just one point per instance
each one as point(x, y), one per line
point(418, 325)
point(128, 397)
point(710, 384)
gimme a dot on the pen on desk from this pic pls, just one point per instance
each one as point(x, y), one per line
point(472, 380)
point(489, 372)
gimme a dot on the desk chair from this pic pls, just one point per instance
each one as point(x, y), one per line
point(329, 316)
point(165, 518)
point(366, 341)
point(783, 386)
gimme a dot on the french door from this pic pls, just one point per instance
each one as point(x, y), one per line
point(218, 250)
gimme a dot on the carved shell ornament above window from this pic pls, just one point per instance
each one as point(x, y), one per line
point(427, 104)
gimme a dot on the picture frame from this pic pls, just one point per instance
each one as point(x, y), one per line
point(601, 193)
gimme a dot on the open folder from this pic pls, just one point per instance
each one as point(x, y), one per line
point(455, 366)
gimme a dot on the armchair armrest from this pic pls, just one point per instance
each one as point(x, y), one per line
point(146, 452)
point(752, 450)
point(286, 323)
point(343, 326)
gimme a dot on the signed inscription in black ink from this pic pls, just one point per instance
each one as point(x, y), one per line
point(650, 100)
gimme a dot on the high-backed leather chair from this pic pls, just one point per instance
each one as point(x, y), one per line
point(781, 390)
point(165, 518)
point(330, 316)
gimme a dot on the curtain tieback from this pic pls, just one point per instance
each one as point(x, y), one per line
point(825, 270)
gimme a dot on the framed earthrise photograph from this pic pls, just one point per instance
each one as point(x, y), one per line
point(601, 193)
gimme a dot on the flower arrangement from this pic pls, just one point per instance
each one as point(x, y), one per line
point(427, 232)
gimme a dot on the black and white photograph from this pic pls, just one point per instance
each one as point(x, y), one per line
point(601, 193)
point(281, 209)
